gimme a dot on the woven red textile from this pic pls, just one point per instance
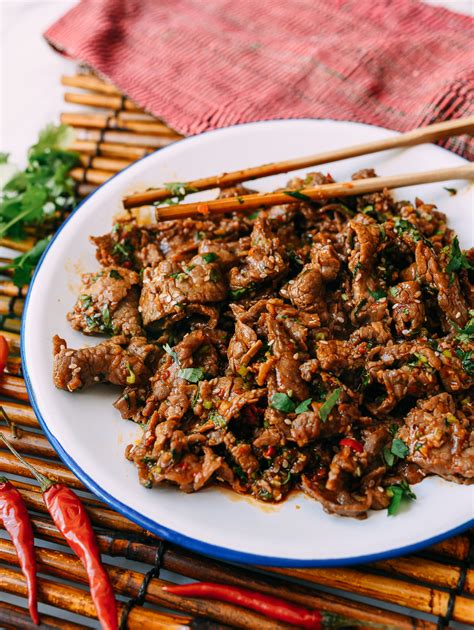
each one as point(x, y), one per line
point(202, 64)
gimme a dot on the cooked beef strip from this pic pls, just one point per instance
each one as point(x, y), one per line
point(251, 345)
point(107, 362)
point(108, 303)
point(440, 438)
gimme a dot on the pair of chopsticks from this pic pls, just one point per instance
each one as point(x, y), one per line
point(430, 133)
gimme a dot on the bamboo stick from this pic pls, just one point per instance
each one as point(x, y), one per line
point(100, 516)
point(5, 305)
point(20, 414)
point(13, 386)
point(57, 472)
point(316, 193)
point(10, 324)
point(109, 149)
point(14, 365)
point(117, 136)
point(427, 571)
point(78, 601)
point(387, 589)
point(20, 246)
point(455, 547)
point(104, 101)
point(416, 136)
point(13, 343)
point(15, 617)
point(128, 582)
point(106, 163)
point(200, 568)
point(9, 288)
point(91, 176)
point(89, 82)
point(30, 443)
point(100, 121)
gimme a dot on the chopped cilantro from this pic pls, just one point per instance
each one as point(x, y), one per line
point(398, 493)
point(457, 260)
point(192, 375)
point(466, 334)
point(217, 419)
point(238, 293)
point(378, 294)
point(467, 360)
point(122, 250)
point(329, 403)
point(115, 274)
point(388, 456)
point(210, 257)
point(169, 350)
point(86, 301)
point(283, 402)
point(303, 406)
point(399, 448)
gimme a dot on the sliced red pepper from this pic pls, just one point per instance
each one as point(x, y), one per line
point(272, 607)
point(270, 452)
point(3, 353)
point(355, 445)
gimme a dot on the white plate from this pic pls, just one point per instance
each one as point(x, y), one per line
point(90, 436)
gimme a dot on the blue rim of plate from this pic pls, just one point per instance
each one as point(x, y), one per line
point(170, 535)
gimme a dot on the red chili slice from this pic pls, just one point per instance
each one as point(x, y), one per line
point(353, 444)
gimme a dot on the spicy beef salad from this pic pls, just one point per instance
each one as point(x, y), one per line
point(321, 346)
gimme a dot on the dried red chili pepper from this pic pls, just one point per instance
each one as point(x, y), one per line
point(70, 517)
point(272, 607)
point(353, 444)
point(16, 521)
point(3, 353)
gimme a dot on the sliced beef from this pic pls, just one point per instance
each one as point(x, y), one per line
point(107, 362)
point(440, 439)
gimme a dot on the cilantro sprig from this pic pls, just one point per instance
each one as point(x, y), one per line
point(24, 265)
point(31, 196)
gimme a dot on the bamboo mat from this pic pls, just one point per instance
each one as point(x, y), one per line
point(428, 590)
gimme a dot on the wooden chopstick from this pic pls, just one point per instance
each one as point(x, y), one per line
point(317, 193)
point(416, 136)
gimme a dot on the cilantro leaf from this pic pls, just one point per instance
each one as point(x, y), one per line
point(304, 406)
point(282, 402)
point(217, 419)
point(169, 350)
point(399, 448)
point(388, 456)
point(398, 493)
point(457, 260)
point(210, 257)
point(115, 274)
point(378, 294)
point(467, 360)
point(466, 334)
point(192, 375)
point(329, 403)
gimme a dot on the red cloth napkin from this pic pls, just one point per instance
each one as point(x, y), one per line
point(202, 64)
